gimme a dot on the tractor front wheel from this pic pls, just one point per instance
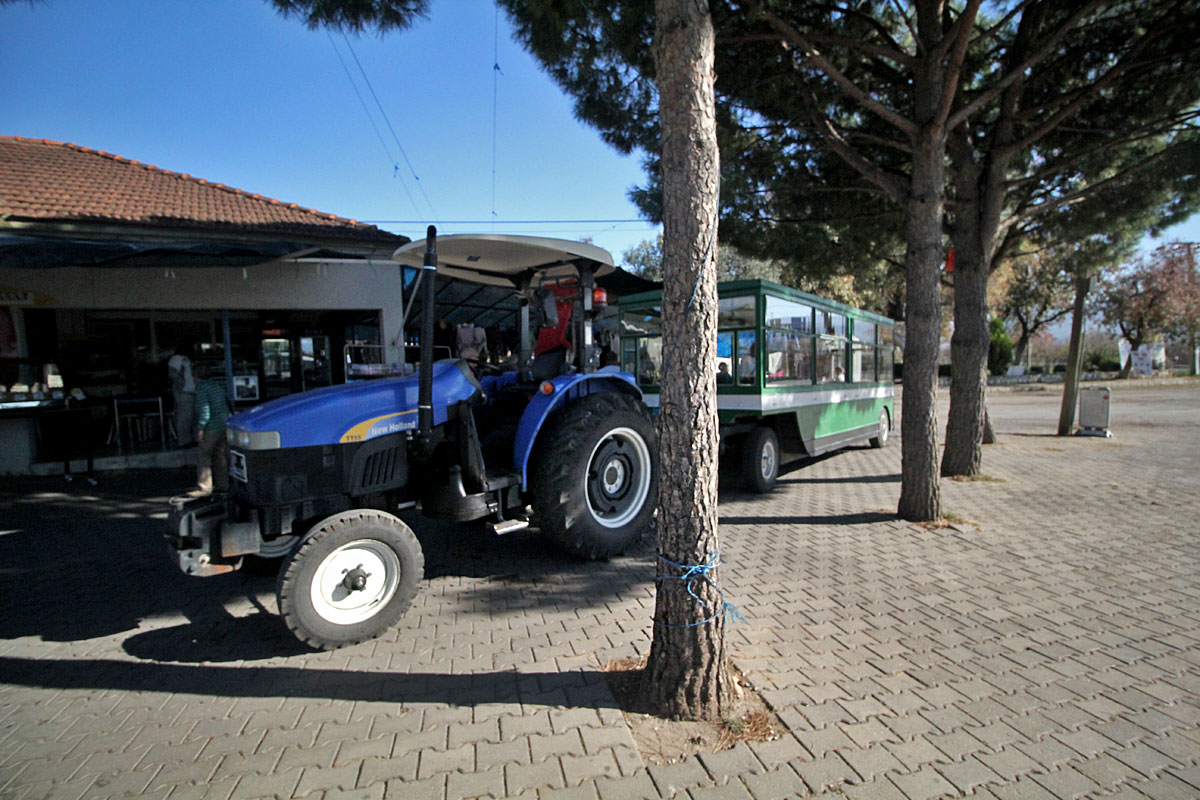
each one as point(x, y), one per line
point(596, 475)
point(351, 579)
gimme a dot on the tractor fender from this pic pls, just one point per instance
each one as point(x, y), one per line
point(543, 404)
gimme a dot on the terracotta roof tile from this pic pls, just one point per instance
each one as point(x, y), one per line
point(47, 181)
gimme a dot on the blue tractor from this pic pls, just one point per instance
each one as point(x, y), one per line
point(317, 477)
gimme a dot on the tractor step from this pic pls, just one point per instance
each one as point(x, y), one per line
point(509, 526)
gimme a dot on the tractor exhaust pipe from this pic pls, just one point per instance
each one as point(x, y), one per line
point(425, 379)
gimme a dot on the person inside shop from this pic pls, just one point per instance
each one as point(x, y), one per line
point(212, 450)
point(183, 392)
point(445, 336)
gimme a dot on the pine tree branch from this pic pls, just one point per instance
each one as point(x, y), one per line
point(958, 36)
point(1038, 54)
point(812, 55)
point(903, 14)
point(1124, 65)
point(1059, 166)
point(1036, 208)
point(878, 51)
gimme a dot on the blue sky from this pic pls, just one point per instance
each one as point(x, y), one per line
point(228, 91)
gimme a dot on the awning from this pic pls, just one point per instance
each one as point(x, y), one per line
point(34, 252)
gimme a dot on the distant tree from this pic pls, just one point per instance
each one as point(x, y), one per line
point(645, 259)
point(1079, 116)
point(1150, 297)
point(1035, 293)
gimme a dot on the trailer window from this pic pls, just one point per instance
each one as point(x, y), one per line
point(735, 312)
point(747, 367)
point(862, 365)
point(789, 314)
point(649, 360)
point(789, 358)
point(831, 360)
point(830, 324)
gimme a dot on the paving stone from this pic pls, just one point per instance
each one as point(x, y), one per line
point(825, 772)
point(319, 779)
point(585, 792)
point(672, 778)
point(924, 784)
point(1107, 771)
point(779, 751)
point(480, 784)
point(1144, 758)
point(776, 784)
point(734, 790)
point(428, 789)
point(873, 762)
point(826, 740)
point(546, 746)
point(634, 787)
point(520, 777)
point(1066, 783)
point(597, 739)
point(967, 775)
point(373, 792)
point(383, 770)
point(1166, 787)
point(579, 768)
point(433, 762)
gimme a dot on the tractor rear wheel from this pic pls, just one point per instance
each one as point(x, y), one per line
point(351, 579)
point(595, 478)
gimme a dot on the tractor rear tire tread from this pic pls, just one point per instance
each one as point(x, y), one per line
point(560, 465)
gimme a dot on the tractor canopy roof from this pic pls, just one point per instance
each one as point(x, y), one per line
point(503, 260)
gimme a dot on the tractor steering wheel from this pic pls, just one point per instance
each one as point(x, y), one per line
point(484, 368)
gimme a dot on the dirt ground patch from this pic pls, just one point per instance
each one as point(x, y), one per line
point(667, 741)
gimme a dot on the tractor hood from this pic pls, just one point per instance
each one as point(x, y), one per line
point(350, 413)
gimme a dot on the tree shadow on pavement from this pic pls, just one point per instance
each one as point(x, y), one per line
point(861, 518)
point(576, 689)
point(80, 563)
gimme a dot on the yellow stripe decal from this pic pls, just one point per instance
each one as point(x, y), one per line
point(378, 427)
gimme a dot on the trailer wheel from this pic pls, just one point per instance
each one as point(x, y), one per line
point(595, 480)
point(880, 439)
point(351, 579)
point(760, 459)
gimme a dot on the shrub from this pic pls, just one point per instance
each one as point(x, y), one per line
point(1000, 347)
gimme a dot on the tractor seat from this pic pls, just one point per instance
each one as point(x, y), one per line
point(549, 364)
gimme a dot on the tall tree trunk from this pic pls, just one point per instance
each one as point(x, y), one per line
point(920, 493)
point(687, 673)
point(968, 364)
point(1066, 414)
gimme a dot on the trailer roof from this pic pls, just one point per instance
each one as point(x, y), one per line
point(501, 260)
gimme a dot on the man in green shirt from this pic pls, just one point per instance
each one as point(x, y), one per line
point(212, 452)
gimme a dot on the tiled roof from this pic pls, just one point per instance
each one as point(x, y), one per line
point(46, 181)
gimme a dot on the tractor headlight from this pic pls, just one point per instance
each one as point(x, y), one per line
point(252, 440)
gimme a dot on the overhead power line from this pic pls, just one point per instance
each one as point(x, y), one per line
point(388, 123)
point(371, 119)
point(504, 222)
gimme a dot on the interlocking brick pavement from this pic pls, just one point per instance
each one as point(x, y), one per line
point(1046, 644)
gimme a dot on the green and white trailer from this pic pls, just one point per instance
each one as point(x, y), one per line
point(797, 375)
